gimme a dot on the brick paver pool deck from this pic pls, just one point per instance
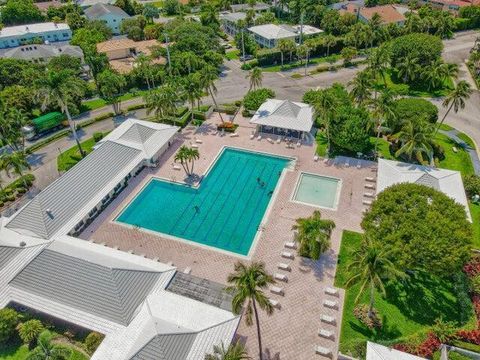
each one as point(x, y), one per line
point(292, 331)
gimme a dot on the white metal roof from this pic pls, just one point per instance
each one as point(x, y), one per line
point(284, 114)
point(447, 181)
point(32, 29)
point(272, 32)
point(62, 204)
point(380, 352)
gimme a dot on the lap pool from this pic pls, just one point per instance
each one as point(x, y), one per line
point(224, 212)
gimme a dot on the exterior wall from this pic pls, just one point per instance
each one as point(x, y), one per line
point(113, 22)
point(229, 27)
point(50, 36)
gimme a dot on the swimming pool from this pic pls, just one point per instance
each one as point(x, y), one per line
point(224, 212)
point(317, 190)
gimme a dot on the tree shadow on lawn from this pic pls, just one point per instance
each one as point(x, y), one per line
point(424, 298)
point(387, 332)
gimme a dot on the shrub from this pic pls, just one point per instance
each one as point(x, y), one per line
point(475, 284)
point(424, 47)
point(92, 341)
point(136, 107)
point(255, 98)
point(361, 313)
point(407, 109)
point(29, 330)
point(349, 129)
point(250, 65)
point(227, 127)
point(472, 185)
point(97, 136)
point(8, 322)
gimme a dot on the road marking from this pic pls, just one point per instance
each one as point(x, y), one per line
point(281, 74)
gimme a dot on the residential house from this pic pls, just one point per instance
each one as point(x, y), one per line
point(45, 5)
point(257, 7)
point(447, 181)
point(49, 32)
point(230, 21)
point(111, 15)
point(452, 6)
point(122, 53)
point(42, 53)
point(87, 3)
point(268, 35)
point(390, 14)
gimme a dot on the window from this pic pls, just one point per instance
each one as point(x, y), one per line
point(114, 20)
point(65, 34)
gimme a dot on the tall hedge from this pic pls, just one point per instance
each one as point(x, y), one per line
point(413, 109)
point(254, 99)
point(424, 47)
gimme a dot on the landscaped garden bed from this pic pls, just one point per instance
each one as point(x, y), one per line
point(27, 332)
point(16, 189)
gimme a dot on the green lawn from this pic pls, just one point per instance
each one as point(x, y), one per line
point(299, 64)
point(408, 310)
point(233, 55)
point(475, 212)
point(90, 105)
point(459, 161)
point(20, 352)
point(70, 157)
point(321, 144)
point(400, 88)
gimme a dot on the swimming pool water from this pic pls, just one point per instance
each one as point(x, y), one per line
point(224, 211)
point(317, 190)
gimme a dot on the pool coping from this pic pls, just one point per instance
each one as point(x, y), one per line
point(290, 167)
point(337, 194)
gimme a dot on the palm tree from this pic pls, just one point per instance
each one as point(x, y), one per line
point(313, 235)
point(325, 104)
point(193, 89)
point(408, 68)
point(144, 65)
point(16, 162)
point(361, 86)
point(433, 74)
point(162, 101)
point(285, 45)
point(416, 138)
point(59, 88)
point(378, 63)
point(192, 155)
point(208, 76)
point(375, 26)
point(383, 109)
point(456, 99)
point(247, 285)
point(255, 76)
point(236, 351)
point(329, 41)
point(46, 350)
point(182, 157)
point(370, 268)
point(30, 330)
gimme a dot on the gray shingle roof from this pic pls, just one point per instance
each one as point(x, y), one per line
point(50, 210)
point(98, 10)
point(7, 253)
point(31, 52)
point(167, 347)
point(107, 292)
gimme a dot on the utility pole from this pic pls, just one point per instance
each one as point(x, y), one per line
point(168, 52)
point(243, 48)
point(301, 27)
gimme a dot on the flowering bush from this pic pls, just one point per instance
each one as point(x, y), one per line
point(424, 349)
point(472, 268)
point(471, 336)
point(361, 313)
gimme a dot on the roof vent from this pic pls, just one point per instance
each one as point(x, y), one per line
point(49, 213)
point(23, 244)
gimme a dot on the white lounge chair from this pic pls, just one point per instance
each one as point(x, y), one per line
point(330, 304)
point(327, 334)
point(315, 158)
point(274, 303)
point(320, 350)
point(347, 163)
point(287, 255)
point(331, 291)
point(194, 146)
point(280, 277)
point(290, 245)
point(299, 144)
point(252, 136)
point(276, 290)
point(359, 164)
point(369, 186)
point(215, 133)
point(279, 140)
point(367, 202)
point(327, 319)
point(270, 140)
point(234, 135)
point(369, 178)
point(177, 167)
point(369, 195)
point(283, 266)
point(198, 141)
point(259, 137)
point(187, 270)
